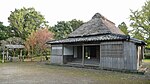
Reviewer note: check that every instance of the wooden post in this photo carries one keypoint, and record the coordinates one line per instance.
(137, 57)
(100, 55)
(3, 56)
(21, 58)
(63, 58)
(82, 54)
(7, 55)
(142, 52)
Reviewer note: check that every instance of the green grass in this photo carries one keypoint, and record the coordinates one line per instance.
(50, 72)
(147, 60)
(0, 60)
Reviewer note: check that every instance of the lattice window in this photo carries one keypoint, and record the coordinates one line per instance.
(56, 50)
(111, 50)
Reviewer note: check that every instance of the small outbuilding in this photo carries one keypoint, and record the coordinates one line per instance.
(12, 47)
(100, 43)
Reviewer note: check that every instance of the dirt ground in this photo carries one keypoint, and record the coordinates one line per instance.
(39, 73)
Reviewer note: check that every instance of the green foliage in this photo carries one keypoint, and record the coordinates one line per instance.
(5, 32)
(140, 22)
(11, 40)
(123, 27)
(147, 55)
(63, 28)
(14, 40)
(26, 20)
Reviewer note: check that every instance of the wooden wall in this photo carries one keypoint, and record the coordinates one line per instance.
(56, 54)
(130, 56)
(111, 55)
(118, 55)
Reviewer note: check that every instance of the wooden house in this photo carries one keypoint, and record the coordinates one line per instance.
(98, 42)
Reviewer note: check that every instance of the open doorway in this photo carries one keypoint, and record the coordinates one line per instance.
(92, 55)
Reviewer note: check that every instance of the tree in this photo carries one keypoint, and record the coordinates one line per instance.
(75, 23)
(63, 28)
(30, 43)
(123, 27)
(5, 32)
(36, 42)
(26, 20)
(42, 36)
(14, 40)
(140, 22)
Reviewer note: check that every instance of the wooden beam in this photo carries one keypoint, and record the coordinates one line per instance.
(82, 54)
(81, 45)
(90, 44)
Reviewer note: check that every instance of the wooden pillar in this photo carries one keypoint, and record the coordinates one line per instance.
(63, 58)
(100, 55)
(142, 52)
(82, 54)
(21, 58)
(7, 54)
(73, 52)
(3, 60)
(138, 62)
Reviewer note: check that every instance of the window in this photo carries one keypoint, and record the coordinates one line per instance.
(56, 50)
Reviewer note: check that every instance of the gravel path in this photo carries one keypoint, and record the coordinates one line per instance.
(35, 73)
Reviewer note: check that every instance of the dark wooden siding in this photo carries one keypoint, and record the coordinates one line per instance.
(118, 55)
(130, 56)
(112, 55)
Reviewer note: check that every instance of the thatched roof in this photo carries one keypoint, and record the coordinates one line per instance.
(97, 29)
(97, 25)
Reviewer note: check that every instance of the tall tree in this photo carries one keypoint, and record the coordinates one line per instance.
(63, 28)
(75, 24)
(5, 31)
(140, 22)
(26, 20)
(123, 27)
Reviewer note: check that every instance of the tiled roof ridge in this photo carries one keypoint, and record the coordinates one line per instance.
(101, 34)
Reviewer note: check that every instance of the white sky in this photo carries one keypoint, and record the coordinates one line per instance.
(65, 10)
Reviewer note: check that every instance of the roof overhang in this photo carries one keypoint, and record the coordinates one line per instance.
(105, 37)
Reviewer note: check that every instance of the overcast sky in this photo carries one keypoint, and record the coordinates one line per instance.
(65, 10)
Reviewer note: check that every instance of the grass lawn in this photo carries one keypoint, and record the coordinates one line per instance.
(0, 60)
(39, 73)
(147, 60)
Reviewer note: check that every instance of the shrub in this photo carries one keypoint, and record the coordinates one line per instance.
(147, 55)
